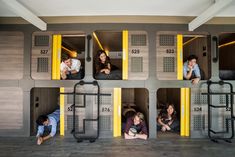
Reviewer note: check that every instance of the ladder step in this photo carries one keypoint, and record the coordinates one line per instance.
(218, 132)
(218, 106)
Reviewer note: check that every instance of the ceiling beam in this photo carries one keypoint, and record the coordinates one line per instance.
(208, 14)
(25, 13)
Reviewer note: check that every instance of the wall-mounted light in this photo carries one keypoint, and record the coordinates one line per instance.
(97, 40)
(227, 44)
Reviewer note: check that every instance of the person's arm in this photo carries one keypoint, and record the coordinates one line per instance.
(188, 73)
(163, 125)
(135, 136)
(141, 136)
(63, 71)
(197, 73)
(129, 137)
(195, 80)
(107, 68)
(39, 134)
(102, 70)
(53, 130)
(64, 74)
(73, 71)
(53, 127)
(159, 120)
(144, 131)
(170, 122)
(42, 139)
(40, 131)
(76, 66)
(46, 138)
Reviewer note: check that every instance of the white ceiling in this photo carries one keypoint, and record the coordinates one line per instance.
(117, 7)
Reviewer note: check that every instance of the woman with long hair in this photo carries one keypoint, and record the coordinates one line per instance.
(167, 119)
(104, 69)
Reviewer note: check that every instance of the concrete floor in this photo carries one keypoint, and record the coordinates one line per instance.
(117, 147)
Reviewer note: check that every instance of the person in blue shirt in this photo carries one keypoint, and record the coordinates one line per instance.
(49, 122)
(192, 70)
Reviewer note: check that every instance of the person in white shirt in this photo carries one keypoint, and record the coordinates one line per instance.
(70, 68)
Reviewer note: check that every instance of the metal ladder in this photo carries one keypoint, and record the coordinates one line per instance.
(77, 134)
(228, 107)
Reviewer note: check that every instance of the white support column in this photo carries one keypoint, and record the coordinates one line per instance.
(208, 14)
(25, 13)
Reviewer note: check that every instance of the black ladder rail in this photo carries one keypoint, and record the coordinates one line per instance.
(73, 106)
(231, 94)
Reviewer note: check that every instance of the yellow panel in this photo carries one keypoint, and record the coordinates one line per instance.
(56, 57)
(125, 55)
(180, 57)
(62, 112)
(182, 111)
(117, 112)
(187, 112)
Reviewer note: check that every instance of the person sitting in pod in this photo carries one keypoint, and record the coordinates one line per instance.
(136, 127)
(70, 68)
(167, 119)
(104, 69)
(191, 69)
(47, 123)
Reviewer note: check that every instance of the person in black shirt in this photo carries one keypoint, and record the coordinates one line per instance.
(104, 69)
(167, 120)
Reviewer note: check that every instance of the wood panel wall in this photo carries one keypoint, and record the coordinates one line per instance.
(11, 108)
(11, 55)
(142, 102)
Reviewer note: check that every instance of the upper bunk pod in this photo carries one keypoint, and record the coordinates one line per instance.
(58, 55)
(183, 55)
(226, 49)
(120, 55)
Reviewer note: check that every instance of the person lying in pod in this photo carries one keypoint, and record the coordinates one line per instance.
(167, 119)
(127, 112)
(70, 68)
(47, 123)
(136, 127)
(191, 70)
(104, 69)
